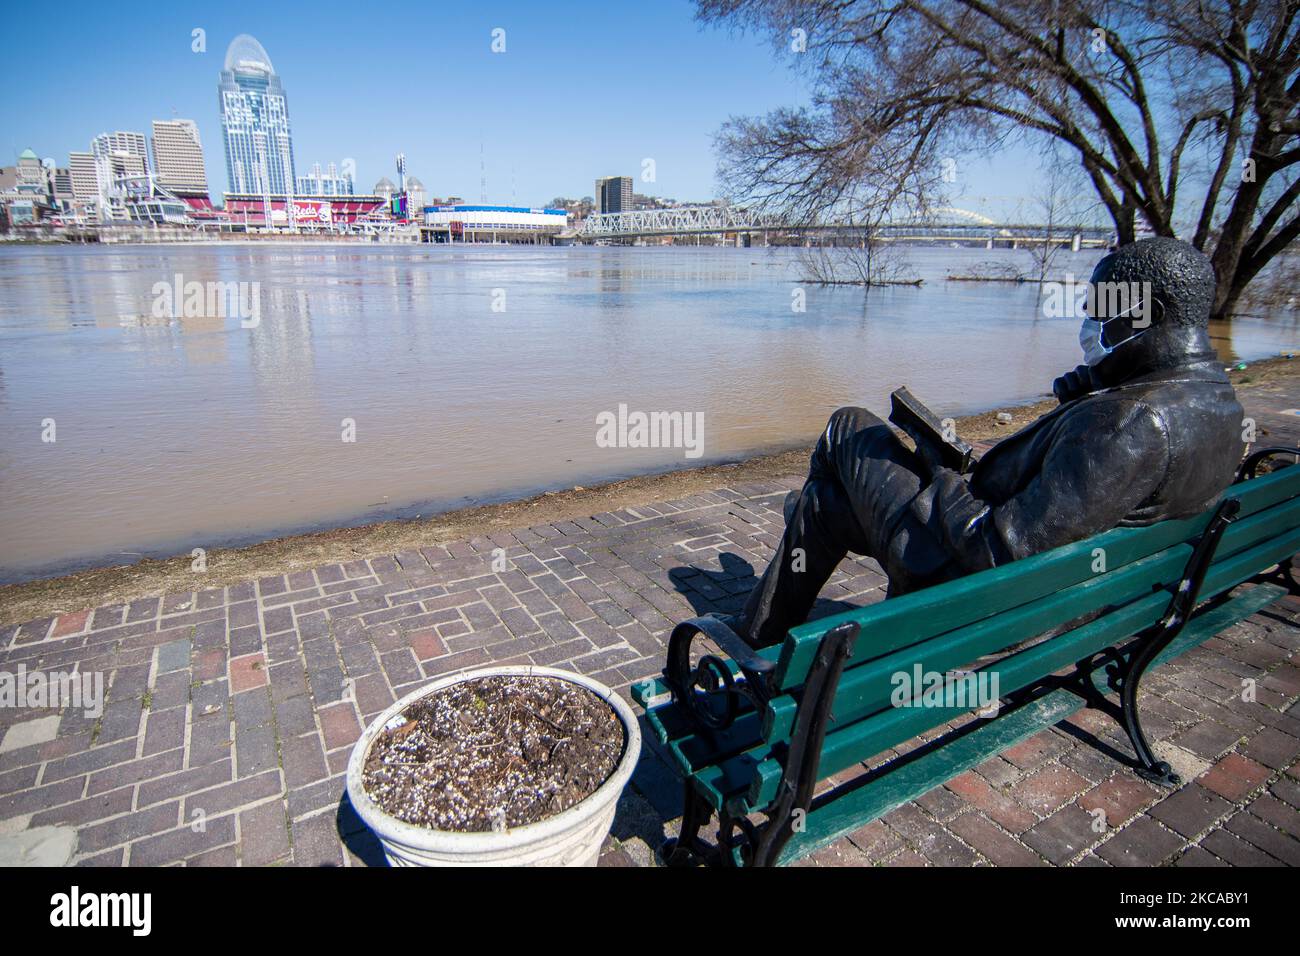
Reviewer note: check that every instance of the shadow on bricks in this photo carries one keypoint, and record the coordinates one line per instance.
(724, 591)
(358, 838)
(1121, 757)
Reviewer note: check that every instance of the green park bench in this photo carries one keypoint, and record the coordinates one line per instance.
(752, 733)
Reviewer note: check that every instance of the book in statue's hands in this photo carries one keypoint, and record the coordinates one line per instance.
(909, 414)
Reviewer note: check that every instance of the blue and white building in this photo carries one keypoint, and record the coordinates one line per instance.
(255, 122)
(492, 224)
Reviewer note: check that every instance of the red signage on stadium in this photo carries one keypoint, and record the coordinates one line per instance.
(310, 210)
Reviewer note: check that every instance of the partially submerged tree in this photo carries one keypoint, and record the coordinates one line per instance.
(861, 258)
(1182, 113)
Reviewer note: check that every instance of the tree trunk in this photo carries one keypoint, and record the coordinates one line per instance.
(1233, 272)
(1226, 258)
(1126, 225)
(1230, 288)
(1226, 298)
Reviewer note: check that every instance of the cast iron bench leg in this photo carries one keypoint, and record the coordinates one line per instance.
(762, 847)
(1148, 648)
(1285, 575)
(687, 849)
(1285, 572)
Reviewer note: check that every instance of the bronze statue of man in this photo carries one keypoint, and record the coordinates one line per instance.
(1148, 429)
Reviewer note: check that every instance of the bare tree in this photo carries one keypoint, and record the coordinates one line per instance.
(1061, 206)
(860, 256)
(1180, 112)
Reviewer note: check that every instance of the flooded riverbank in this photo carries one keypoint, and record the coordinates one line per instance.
(390, 382)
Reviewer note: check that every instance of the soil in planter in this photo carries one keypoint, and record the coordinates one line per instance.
(494, 752)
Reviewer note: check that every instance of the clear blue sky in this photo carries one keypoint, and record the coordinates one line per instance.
(584, 89)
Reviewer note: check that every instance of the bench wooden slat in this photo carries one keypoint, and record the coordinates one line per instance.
(693, 751)
(650, 693)
(725, 781)
(915, 774)
(914, 617)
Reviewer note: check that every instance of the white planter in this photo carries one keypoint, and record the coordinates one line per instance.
(571, 838)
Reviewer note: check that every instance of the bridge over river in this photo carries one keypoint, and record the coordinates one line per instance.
(946, 225)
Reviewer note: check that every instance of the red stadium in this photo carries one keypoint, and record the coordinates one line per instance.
(309, 212)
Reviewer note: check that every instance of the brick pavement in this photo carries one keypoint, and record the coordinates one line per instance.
(231, 711)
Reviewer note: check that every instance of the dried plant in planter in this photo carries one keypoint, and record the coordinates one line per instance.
(494, 752)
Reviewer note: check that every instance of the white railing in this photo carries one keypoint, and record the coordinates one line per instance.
(687, 220)
(683, 219)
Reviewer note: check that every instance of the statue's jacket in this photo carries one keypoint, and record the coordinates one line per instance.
(1160, 444)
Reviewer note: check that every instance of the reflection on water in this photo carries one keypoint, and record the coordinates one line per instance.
(192, 432)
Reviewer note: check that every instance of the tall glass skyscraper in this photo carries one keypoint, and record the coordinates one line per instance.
(255, 122)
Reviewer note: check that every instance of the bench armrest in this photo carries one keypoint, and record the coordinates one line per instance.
(709, 693)
(1250, 467)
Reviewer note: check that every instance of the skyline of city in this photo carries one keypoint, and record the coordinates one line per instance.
(127, 178)
(258, 150)
(521, 142)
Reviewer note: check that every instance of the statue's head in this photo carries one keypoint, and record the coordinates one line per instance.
(1150, 299)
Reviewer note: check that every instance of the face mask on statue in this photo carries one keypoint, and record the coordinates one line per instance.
(1094, 350)
(1092, 339)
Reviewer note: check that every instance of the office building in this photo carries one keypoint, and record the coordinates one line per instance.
(614, 194)
(25, 191)
(330, 182)
(85, 186)
(178, 157)
(122, 143)
(255, 122)
(121, 168)
(61, 189)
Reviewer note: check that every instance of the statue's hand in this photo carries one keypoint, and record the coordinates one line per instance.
(930, 456)
(1073, 384)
